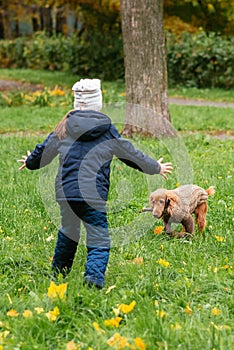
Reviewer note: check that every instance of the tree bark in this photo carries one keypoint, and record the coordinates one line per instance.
(145, 67)
(46, 19)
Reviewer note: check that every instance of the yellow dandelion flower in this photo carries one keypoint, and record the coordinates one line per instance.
(39, 310)
(158, 230)
(163, 262)
(118, 342)
(216, 312)
(127, 308)
(55, 291)
(156, 304)
(12, 313)
(27, 314)
(188, 310)
(113, 322)
(53, 314)
(98, 328)
(220, 238)
(123, 94)
(140, 345)
(161, 313)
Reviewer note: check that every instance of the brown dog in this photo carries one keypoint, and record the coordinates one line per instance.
(178, 205)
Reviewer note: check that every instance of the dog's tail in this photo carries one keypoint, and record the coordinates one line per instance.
(210, 191)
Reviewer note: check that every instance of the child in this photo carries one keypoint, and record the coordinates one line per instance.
(86, 141)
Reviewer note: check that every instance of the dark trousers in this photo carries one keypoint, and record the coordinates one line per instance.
(97, 240)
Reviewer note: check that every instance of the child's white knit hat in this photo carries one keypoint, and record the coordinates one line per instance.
(88, 94)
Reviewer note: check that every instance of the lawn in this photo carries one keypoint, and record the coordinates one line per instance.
(160, 293)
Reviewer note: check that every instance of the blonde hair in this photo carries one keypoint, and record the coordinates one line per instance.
(60, 129)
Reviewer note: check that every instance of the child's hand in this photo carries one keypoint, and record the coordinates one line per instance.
(166, 168)
(23, 160)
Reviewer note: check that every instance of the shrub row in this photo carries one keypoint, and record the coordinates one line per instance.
(101, 56)
(198, 60)
(201, 60)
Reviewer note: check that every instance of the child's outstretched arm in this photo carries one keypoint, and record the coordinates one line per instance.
(42, 155)
(134, 158)
(166, 168)
(23, 160)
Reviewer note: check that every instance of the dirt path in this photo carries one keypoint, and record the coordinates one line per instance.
(192, 102)
(10, 85)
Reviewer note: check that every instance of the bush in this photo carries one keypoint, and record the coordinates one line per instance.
(194, 60)
(200, 60)
(98, 56)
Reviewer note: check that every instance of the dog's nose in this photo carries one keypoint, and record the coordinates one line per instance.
(155, 215)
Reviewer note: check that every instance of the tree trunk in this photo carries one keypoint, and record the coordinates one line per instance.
(145, 67)
(46, 19)
(1, 26)
(6, 21)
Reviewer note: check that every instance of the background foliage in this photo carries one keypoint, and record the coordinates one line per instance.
(199, 59)
(85, 38)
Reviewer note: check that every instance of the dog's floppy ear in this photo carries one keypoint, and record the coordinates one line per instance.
(172, 201)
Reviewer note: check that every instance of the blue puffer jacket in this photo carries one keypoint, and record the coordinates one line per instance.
(85, 156)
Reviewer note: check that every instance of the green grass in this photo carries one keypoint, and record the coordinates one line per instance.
(198, 280)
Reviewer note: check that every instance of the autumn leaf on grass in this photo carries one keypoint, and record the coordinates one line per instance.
(12, 313)
(55, 291)
(127, 308)
(27, 314)
(220, 238)
(71, 345)
(221, 327)
(118, 342)
(216, 312)
(110, 289)
(140, 345)
(176, 327)
(137, 260)
(39, 310)
(98, 328)
(158, 230)
(161, 313)
(188, 310)
(3, 335)
(113, 322)
(53, 314)
(163, 263)
(56, 92)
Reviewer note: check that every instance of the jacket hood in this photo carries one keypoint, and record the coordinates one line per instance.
(87, 125)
